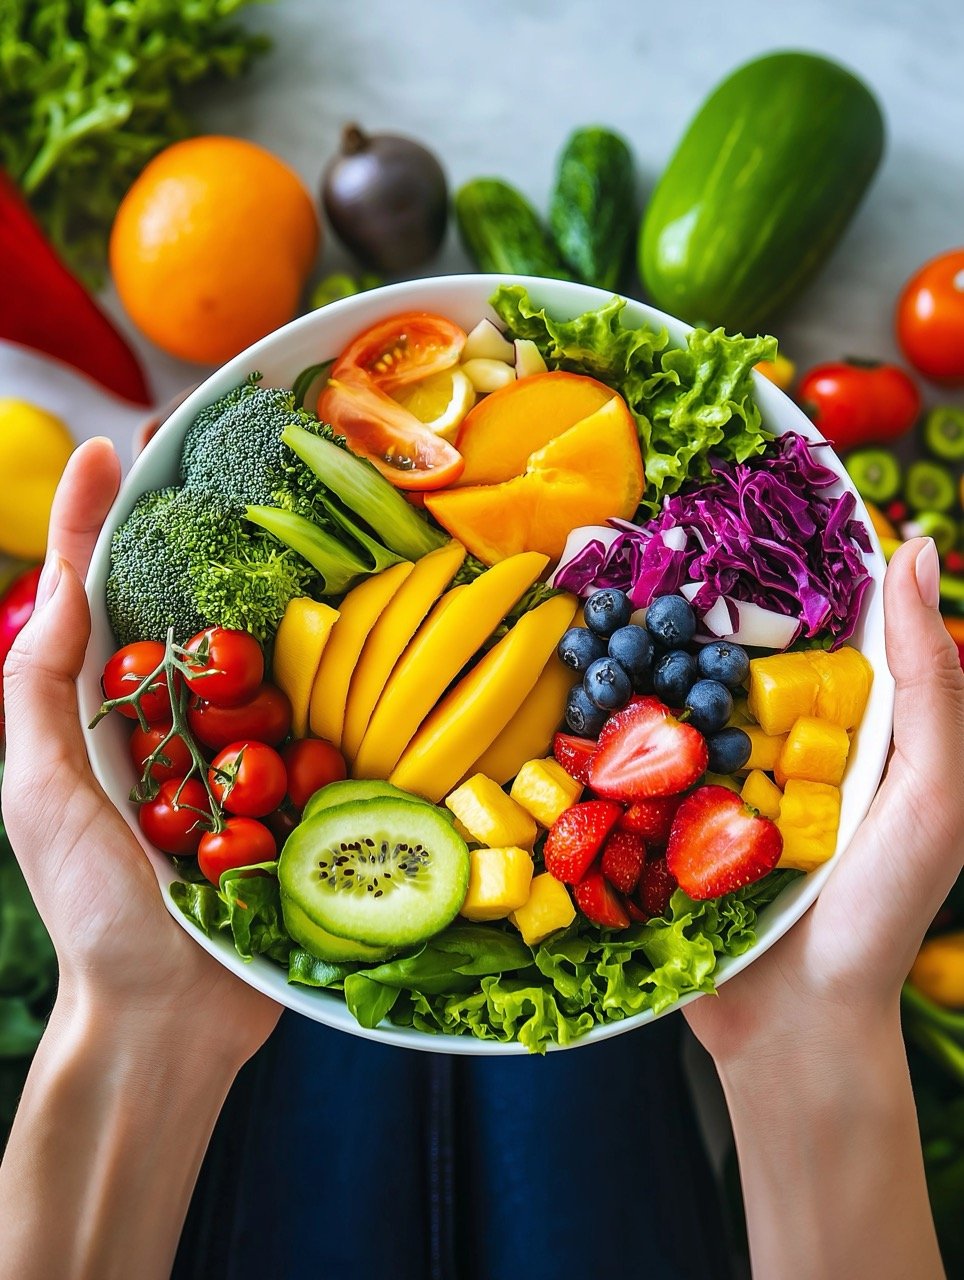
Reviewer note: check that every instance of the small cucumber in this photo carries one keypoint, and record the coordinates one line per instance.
(592, 213)
(502, 233)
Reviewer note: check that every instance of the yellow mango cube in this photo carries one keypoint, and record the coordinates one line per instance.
(815, 750)
(545, 790)
(762, 794)
(832, 686)
(499, 881)
(845, 678)
(490, 816)
(808, 821)
(739, 716)
(547, 908)
(765, 748)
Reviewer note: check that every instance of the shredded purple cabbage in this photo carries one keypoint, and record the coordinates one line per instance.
(760, 531)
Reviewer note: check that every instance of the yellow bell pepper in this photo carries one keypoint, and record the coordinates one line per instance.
(34, 448)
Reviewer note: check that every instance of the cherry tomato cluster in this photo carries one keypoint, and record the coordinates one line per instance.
(234, 723)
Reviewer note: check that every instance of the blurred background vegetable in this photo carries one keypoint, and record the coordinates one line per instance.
(34, 448)
(930, 319)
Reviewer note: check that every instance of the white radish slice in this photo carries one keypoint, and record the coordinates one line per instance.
(579, 539)
(756, 627)
(674, 539)
(488, 375)
(487, 342)
(690, 589)
(528, 358)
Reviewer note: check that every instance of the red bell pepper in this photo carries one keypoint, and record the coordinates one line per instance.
(16, 606)
(44, 306)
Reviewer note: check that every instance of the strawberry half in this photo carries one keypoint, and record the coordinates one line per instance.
(719, 844)
(651, 818)
(623, 856)
(576, 837)
(645, 751)
(574, 754)
(656, 886)
(598, 901)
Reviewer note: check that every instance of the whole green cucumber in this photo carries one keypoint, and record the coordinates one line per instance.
(502, 232)
(763, 184)
(592, 213)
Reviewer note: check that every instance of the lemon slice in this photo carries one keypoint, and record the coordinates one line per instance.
(440, 401)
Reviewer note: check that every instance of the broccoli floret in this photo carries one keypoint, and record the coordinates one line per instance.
(185, 561)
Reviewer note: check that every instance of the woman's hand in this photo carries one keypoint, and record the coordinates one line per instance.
(120, 953)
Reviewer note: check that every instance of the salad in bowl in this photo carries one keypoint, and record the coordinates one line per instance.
(488, 665)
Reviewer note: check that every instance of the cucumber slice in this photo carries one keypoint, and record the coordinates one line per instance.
(875, 473)
(387, 871)
(944, 432)
(323, 945)
(359, 789)
(930, 487)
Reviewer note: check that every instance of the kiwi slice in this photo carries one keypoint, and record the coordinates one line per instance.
(944, 432)
(359, 789)
(933, 524)
(875, 473)
(930, 487)
(323, 945)
(388, 871)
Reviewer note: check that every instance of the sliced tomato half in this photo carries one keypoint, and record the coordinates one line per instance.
(402, 349)
(380, 429)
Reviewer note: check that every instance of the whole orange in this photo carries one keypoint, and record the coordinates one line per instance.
(211, 247)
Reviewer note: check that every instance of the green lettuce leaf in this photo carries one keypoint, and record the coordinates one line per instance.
(687, 402)
(247, 907)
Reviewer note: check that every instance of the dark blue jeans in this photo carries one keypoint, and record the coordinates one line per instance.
(337, 1159)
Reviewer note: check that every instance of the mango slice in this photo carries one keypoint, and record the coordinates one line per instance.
(499, 882)
(815, 750)
(482, 703)
(764, 748)
(832, 686)
(547, 908)
(497, 436)
(359, 612)
(529, 733)
(437, 653)
(390, 635)
(298, 647)
(584, 476)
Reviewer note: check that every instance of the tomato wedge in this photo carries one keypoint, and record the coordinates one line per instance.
(382, 430)
(402, 349)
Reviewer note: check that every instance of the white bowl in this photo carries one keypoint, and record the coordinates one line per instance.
(322, 334)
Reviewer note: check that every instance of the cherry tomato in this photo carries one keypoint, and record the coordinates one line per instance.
(282, 822)
(256, 781)
(930, 319)
(858, 404)
(233, 670)
(124, 672)
(403, 349)
(241, 842)
(145, 742)
(266, 718)
(311, 763)
(175, 828)
(358, 403)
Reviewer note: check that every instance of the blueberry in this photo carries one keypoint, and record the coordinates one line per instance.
(710, 705)
(582, 714)
(633, 650)
(671, 621)
(579, 648)
(608, 610)
(721, 660)
(673, 676)
(729, 750)
(608, 684)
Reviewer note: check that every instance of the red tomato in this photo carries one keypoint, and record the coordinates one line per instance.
(233, 670)
(357, 399)
(311, 763)
(241, 842)
(145, 742)
(175, 827)
(858, 404)
(248, 778)
(930, 319)
(124, 672)
(266, 718)
(282, 822)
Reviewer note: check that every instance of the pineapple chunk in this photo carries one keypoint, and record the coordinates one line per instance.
(808, 821)
(547, 909)
(545, 790)
(762, 794)
(499, 881)
(490, 816)
(815, 750)
(765, 748)
(845, 679)
(833, 686)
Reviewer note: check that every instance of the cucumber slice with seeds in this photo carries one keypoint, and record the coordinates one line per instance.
(323, 945)
(388, 872)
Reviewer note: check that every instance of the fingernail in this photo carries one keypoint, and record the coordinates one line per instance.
(49, 577)
(927, 567)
